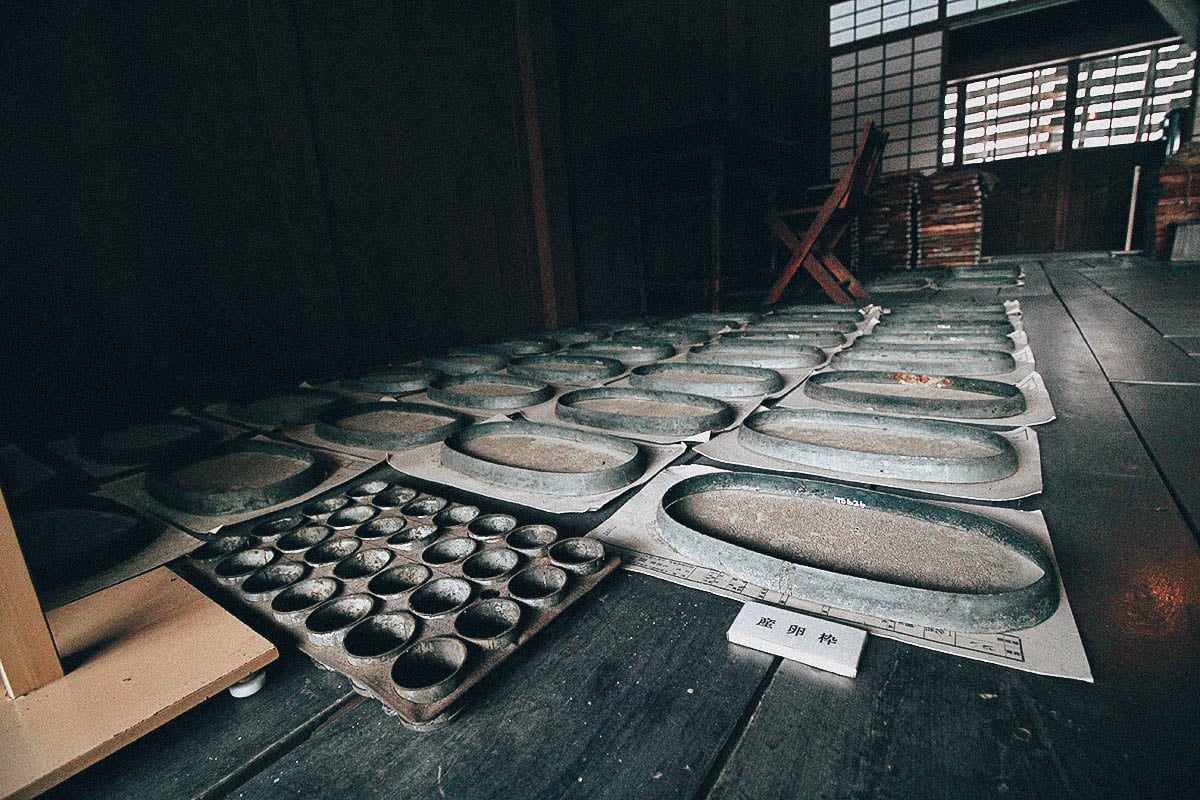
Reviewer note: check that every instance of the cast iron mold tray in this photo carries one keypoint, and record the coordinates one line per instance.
(490, 392)
(388, 425)
(967, 361)
(712, 380)
(566, 369)
(750, 337)
(758, 354)
(917, 394)
(644, 411)
(139, 444)
(630, 354)
(291, 407)
(465, 362)
(394, 380)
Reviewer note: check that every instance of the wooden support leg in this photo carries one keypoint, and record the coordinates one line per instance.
(28, 659)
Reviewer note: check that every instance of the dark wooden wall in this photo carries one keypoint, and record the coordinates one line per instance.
(214, 197)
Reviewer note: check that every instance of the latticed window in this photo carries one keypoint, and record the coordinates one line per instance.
(1013, 115)
(853, 20)
(1124, 98)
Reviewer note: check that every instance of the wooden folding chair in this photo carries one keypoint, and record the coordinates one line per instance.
(814, 250)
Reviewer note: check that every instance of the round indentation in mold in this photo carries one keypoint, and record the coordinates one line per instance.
(363, 564)
(278, 526)
(425, 506)
(760, 355)
(784, 339)
(466, 362)
(579, 555)
(367, 489)
(916, 394)
(644, 411)
(547, 459)
(142, 443)
(491, 624)
(233, 477)
(450, 550)
(303, 538)
(243, 562)
(491, 526)
(326, 505)
(328, 622)
(393, 497)
(332, 550)
(307, 594)
(399, 579)
(291, 407)
(414, 535)
(380, 527)
(712, 380)
(378, 637)
(678, 337)
(387, 425)
(350, 516)
(965, 361)
(491, 392)
(539, 586)
(627, 354)
(873, 446)
(491, 566)
(531, 540)
(455, 516)
(567, 369)
(223, 546)
(273, 578)
(862, 551)
(395, 380)
(440, 596)
(430, 670)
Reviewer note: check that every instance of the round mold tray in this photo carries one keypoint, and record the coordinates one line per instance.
(292, 407)
(729, 318)
(377, 638)
(142, 443)
(273, 528)
(240, 564)
(491, 567)
(466, 362)
(367, 489)
(862, 551)
(993, 313)
(327, 505)
(540, 586)
(272, 579)
(916, 394)
(798, 325)
(814, 313)
(396, 380)
(826, 340)
(455, 516)
(709, 329)
(531, 540)
(386, 425)
(299, 598)
(490, 527)
(301, 539)
(679, 337)
(491, 624)
(65, 545)
(412, 537)
(988, 341)
(978, 327)
(363, 564)
(644, 411)
(425, 506)
(395, 581)
(897, 284)
(582, 333)
(430, 670)
(351, 516)
(224, 546)
(566, 369)
(394, 497)
(332, 550)
(235, 477)
(450, 550)
(381, 527)
(877, 446)
(547, 459)
(439, 597)
(628, 354)
(711, 380)
(954, 361)
(328, 622)
(764, 356)
(491, 392)
(579, 555)
(518, 348)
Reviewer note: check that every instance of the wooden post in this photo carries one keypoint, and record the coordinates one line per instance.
(28, 658)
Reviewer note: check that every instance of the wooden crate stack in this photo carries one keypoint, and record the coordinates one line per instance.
(1178, 196)
(949, 219)
(885, 224)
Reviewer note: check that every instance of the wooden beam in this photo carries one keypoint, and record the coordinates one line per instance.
(28, 658)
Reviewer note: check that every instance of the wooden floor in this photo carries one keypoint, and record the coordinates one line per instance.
(635, 692)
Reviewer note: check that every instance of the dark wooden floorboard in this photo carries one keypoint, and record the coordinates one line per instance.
(208, 749)
(1155, 291)
(631, 693)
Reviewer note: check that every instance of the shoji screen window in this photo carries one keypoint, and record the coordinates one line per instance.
(956, 8)
(1124, 98)
(861, 19)
(1014, 115)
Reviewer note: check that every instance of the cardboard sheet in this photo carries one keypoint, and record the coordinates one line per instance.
(1052, 647)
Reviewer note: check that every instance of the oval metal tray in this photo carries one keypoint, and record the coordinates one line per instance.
(712, 380)
(1002, 326)
(292, 407)
(765, 357)
(943, 313)
(825, 339)
(394, 380)
(645, 411)
(874, 446)
(802, 311)
(139, 444)
(566, 368)
(629, 354)
(967, 361)
(801, 324)
(465, 362)
(390, 425)
(678, 337)
(491, 392)
(581, 333)
(515, 348)
(986, 341)
(917, 394)
(862, 551)
(65, 545)
(234, 477)
(544, 458)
